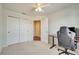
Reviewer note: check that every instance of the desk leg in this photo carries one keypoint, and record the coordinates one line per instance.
(52, 43)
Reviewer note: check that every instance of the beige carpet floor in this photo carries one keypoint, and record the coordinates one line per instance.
(30, 48)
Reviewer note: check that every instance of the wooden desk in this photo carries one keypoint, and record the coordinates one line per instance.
(53, 43)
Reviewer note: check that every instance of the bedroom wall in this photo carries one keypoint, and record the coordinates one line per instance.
(1, 26)
(68, 16)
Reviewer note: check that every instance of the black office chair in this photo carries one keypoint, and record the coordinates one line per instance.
(65, 41)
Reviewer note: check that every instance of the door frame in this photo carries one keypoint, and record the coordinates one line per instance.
(44, 28)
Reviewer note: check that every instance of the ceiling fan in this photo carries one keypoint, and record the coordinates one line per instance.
(38, 7)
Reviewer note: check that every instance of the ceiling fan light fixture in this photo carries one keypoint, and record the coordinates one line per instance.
(38, 9)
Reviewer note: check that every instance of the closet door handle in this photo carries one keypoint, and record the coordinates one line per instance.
(8, 32)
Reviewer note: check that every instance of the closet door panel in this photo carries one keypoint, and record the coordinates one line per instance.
(12, 30)
(23, 30)
(26, 32)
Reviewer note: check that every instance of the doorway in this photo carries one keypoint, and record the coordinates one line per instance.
(37, 30)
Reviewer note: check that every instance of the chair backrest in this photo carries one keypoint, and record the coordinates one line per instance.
(77, 32)
(63, 39)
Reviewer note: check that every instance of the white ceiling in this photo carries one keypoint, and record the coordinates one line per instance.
(27, 8)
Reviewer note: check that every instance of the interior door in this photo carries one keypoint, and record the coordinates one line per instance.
(37, 30)
(12, 30)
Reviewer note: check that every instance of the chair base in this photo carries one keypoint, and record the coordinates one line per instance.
(52, 46)
(66, 52)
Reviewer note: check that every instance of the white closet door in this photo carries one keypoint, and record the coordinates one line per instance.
(23, 30)
(12, 30)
